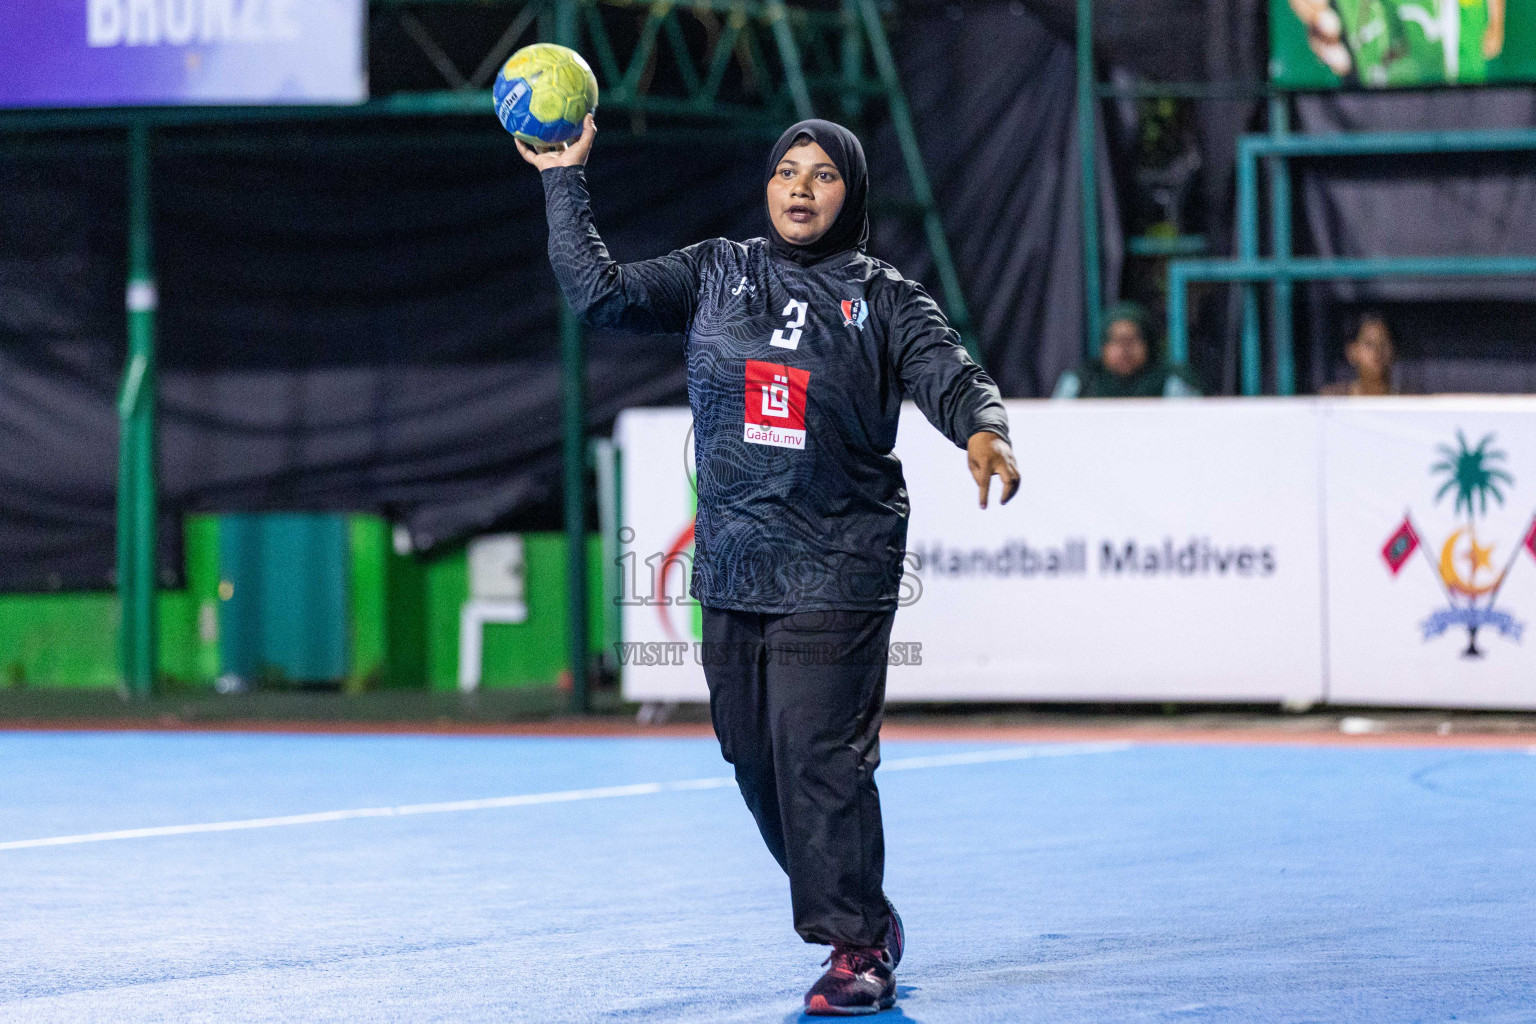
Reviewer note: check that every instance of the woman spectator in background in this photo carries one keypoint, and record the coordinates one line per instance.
(1128, 366)
(1370, 355)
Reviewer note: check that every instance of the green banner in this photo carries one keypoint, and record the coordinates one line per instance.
(1387, 44)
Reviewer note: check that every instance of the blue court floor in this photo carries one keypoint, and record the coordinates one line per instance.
(622, 880)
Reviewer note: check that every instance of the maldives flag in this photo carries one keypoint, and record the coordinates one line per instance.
(1400, 546)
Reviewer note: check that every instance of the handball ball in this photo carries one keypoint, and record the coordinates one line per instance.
(543, 93)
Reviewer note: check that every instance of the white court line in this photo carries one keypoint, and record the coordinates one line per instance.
(1005, 754)
(557, 797)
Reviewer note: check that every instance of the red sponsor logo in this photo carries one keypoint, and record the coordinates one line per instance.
(775, 411)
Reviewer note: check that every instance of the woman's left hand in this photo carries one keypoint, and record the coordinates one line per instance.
(989, 455)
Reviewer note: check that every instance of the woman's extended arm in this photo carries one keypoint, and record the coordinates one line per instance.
(954, 393)
(653, 296)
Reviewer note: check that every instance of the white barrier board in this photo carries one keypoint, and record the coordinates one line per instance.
(1461, 474)
(1157, 550)
(1187, 534)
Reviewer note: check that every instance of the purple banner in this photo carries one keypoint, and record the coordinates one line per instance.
(102, 53)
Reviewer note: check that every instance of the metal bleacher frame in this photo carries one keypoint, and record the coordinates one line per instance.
(1280, 270)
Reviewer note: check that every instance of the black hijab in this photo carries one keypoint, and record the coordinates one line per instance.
(851, 228)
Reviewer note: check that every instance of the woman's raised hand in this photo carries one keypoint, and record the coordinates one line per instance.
(568, 154)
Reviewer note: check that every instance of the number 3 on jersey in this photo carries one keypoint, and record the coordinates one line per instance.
(796, 312)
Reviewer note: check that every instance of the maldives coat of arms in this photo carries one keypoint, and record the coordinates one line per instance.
(1465, 563)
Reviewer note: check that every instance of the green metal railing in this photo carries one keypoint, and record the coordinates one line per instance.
(1250, 270)
(1089, 92)
(573, 443)
(820, 53)
(137, 506)
(1166, 246)
(1313, 268)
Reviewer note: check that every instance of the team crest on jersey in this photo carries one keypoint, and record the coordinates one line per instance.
(855, 312)
(775, 411)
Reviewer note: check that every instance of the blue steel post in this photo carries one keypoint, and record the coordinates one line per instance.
(1086, 142)
(1281, 333)
(1247, 251)
(573, 417)
(1178, 314)
(137, 512)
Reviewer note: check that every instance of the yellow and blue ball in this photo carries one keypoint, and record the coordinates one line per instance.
(543, 93)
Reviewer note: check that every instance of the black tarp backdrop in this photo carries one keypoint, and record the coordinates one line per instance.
(357, 322)
(1000, 143)
(360, 317)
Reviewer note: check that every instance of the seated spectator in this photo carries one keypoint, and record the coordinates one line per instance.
(1370, 355)
(1128, 366)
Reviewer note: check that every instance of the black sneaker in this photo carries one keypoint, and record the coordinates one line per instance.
(859, 981)
(895, 935)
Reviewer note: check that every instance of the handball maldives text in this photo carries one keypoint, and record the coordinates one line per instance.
(1194, 556)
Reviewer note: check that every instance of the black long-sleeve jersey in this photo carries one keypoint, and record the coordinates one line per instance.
(796, 377)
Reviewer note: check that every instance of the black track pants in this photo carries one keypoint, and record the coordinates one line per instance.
(796, 701)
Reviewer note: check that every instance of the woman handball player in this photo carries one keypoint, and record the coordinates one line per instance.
(800, 351)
